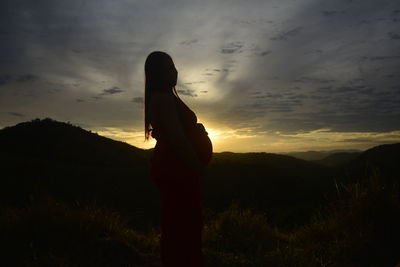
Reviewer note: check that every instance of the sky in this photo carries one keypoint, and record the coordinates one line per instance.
(271, 76)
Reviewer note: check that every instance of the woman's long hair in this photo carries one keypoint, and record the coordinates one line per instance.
(155, 80)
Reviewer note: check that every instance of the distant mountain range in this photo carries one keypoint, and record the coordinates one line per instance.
(320, 155)
(75, 165)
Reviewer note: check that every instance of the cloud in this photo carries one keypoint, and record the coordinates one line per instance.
(76, 51)
(382, 57)
(264, 53)
(138, 100)
(394, 36)
(285, 35)
(194, 82)
(208, 74)
(26, 78)
(231, 48)
(306, 79)
(189, 42)
(396, 12)
(111, 91)
(5, 78)
(356, 140)
(187, 92)
(314, 51)
(331, 13)
(16, 114)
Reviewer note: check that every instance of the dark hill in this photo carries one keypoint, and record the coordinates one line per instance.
(384, 156)
(282, 186)
(310, 155)
(47, 157)
(383, 159)
(318, 155)
(338, 159)
(52, 140)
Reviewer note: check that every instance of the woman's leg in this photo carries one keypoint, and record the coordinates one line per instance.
(181, 221)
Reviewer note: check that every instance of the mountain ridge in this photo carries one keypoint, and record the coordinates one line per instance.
(32, 136)
(73, 164)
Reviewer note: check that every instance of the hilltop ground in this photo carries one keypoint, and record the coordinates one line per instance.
(70, 197)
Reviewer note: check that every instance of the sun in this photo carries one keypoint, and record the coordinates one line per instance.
(218, 137)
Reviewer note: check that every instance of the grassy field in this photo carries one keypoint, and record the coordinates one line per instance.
(359, 228)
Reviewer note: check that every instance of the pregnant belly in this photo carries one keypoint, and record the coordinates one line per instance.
(202, 144)
(198, 137)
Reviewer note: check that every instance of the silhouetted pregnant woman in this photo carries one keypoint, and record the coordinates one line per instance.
(182, 151)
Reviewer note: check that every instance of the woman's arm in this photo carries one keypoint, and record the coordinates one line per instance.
(167, 121)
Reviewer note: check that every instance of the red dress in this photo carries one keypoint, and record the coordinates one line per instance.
(181, 203)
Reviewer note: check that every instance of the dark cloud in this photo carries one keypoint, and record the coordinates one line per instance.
(208, 74)
(314, 51)
(357, 80)
(138, 100)
(285, 35)
(396, 12)
(377, 58)
(231, 48)
(76, 51)
(188, 92)
(356, 108)
(264, 53)
(5, 78)
(356, 140)
(112, 91)
(260, 108)
(344, 89)
(306, 79)
(194, 82)
(16, 114)
(335, 121)
(189, 42)
(269, 95)
(257, 51)
(394, 35)
(255, 93)
(331, 13)
(26, 78)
